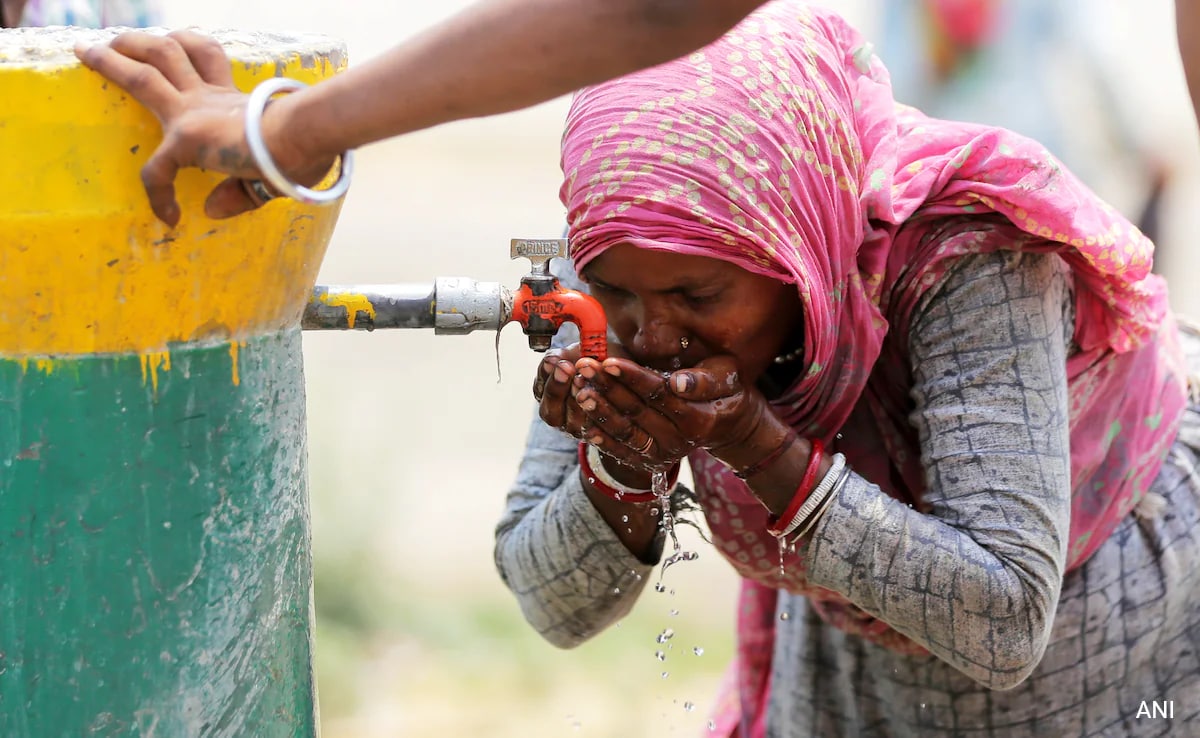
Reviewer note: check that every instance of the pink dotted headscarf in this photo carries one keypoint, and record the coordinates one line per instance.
(779, 148)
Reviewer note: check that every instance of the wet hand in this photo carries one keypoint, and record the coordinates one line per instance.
(185, 79)
(557, 406)
(647, 420)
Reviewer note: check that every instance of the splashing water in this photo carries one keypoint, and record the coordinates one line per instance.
(665, 636)
(659, 485)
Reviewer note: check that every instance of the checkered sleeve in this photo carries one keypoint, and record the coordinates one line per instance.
(975, 577)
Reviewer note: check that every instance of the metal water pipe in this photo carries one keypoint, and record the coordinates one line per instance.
(461, 305)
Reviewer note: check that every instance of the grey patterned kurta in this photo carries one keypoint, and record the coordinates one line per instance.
(1018, 648)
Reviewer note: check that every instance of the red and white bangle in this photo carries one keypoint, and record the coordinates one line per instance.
(818, 496)
(592, 467)
(777, 525)
(811, 523)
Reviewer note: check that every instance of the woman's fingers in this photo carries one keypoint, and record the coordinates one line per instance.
(207, 56)
(158, 177)
(710, 380)
(643, 435)
(162, 53)
(145, 83)
(545, 369)
(556, 393)
(232, 197)
(624, 416)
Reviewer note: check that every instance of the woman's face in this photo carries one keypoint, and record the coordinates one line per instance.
(653, 299)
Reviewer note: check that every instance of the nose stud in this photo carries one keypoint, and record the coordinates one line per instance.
(683, 343)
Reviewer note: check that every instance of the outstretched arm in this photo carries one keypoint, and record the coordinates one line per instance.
(502, 55)
(493, 57)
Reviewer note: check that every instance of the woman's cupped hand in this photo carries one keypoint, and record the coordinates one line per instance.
(641, 417)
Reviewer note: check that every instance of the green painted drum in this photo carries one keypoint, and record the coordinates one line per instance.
(155, 544)
(154, 533)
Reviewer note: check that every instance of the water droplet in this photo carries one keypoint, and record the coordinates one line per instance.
(922, 705)
(660, 656)
(665, 674)
(689, 706)
(698, 651)
(673, 612)
(624, 518)
(591, 480)
(616, 590)
(712, 725)
(784, 616)
(658, 587)
(654, 511)
(665, 636)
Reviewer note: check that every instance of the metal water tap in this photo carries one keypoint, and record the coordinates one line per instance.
(459, 305)
(542, 304)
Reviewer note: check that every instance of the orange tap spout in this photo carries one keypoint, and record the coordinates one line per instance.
(545, 314)
(585, 311)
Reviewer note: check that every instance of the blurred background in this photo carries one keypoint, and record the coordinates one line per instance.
(414, 439)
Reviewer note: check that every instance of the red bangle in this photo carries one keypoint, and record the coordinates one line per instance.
(776, 525)
(617, 494)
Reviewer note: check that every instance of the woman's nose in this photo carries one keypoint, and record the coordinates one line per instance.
(656, 340)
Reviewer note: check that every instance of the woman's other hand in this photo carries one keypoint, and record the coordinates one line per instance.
(185, 79)
(645, 419)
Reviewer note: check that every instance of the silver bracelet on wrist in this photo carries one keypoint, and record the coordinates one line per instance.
(259, 97)
(596, 462)
(817, 496)
(813, 519)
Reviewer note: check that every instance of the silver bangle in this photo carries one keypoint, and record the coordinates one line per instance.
(596, 462)
(259, 97)
(811, 523)
(817, 496)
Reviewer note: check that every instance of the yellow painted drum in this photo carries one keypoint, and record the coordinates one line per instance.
(86, 267)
